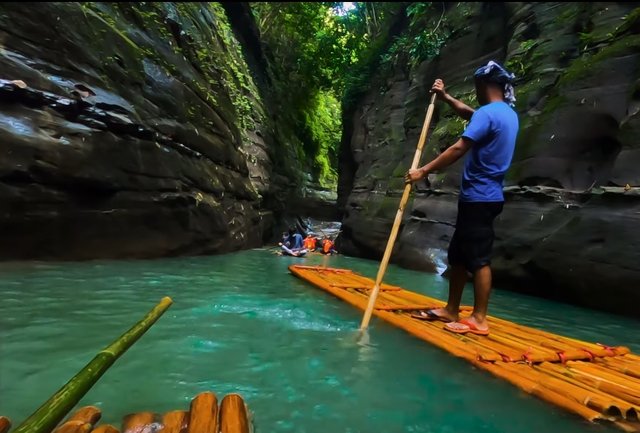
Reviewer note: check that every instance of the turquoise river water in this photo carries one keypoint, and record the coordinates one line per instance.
(241, 323)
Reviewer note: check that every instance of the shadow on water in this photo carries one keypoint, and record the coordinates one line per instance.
(241, 323)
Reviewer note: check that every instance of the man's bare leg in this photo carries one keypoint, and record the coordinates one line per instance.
(456, 286)
(481, 290)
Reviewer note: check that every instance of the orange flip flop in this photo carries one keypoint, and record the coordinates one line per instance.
(464, 326)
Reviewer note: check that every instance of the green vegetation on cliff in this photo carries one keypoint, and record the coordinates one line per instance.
(307, 48)
(393, 35)
(324, 57)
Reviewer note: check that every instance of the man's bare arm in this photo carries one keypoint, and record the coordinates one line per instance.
(462, 109)
(444, 160)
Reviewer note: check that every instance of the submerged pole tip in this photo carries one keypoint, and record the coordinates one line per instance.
(362, 338)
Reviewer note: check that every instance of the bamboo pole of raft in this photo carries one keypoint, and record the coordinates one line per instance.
(596, 395)
(5, 424)
(621, 367)
(175, 421)
(82, 421)
(136, 422)
(74, 427)
(105, 428)
(614, 388)
(233, 415)
(89, 414)
(203, 414)
(47, 416)
(396, 223)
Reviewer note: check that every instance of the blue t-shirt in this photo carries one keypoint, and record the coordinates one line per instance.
(493, 129)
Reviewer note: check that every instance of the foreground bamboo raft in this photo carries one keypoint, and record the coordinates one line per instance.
(203, 416)
(594, 381)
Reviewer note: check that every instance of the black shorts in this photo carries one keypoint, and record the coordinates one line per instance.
(472, 241)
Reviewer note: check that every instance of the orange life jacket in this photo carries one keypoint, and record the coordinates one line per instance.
(310, 243)
(327, 246)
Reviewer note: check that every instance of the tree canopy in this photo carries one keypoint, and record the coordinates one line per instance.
(324, 57)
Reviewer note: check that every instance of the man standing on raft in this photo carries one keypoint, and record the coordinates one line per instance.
(491, 137)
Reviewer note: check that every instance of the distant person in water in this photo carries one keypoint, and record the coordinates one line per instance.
(328, 246)
(310, 242)
(292, 245)
(489, 139)
(296, 239)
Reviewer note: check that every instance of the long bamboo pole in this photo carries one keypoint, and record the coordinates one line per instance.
(47, 416)
(398, 220)
(175, 421)
(234, 416)
(204, 416)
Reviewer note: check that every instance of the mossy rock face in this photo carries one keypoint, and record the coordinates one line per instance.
(581, 69)
(578, 93)
(153, 138)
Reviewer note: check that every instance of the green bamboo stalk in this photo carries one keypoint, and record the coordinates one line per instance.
(49, 415)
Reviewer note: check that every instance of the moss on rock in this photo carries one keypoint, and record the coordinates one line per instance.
(585, 65)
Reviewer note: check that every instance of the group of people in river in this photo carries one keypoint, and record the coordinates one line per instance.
(293, 244)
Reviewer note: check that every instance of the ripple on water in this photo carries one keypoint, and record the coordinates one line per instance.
(293, 316)
(208, 346)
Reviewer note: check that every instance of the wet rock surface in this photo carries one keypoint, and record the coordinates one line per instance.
(134, 130)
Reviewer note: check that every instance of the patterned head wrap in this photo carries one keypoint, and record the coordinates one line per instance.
(494, 73)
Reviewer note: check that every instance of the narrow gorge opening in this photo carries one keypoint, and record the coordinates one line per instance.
(322, 59)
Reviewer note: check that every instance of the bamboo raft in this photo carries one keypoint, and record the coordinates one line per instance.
(595, 381)
(203, 416)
